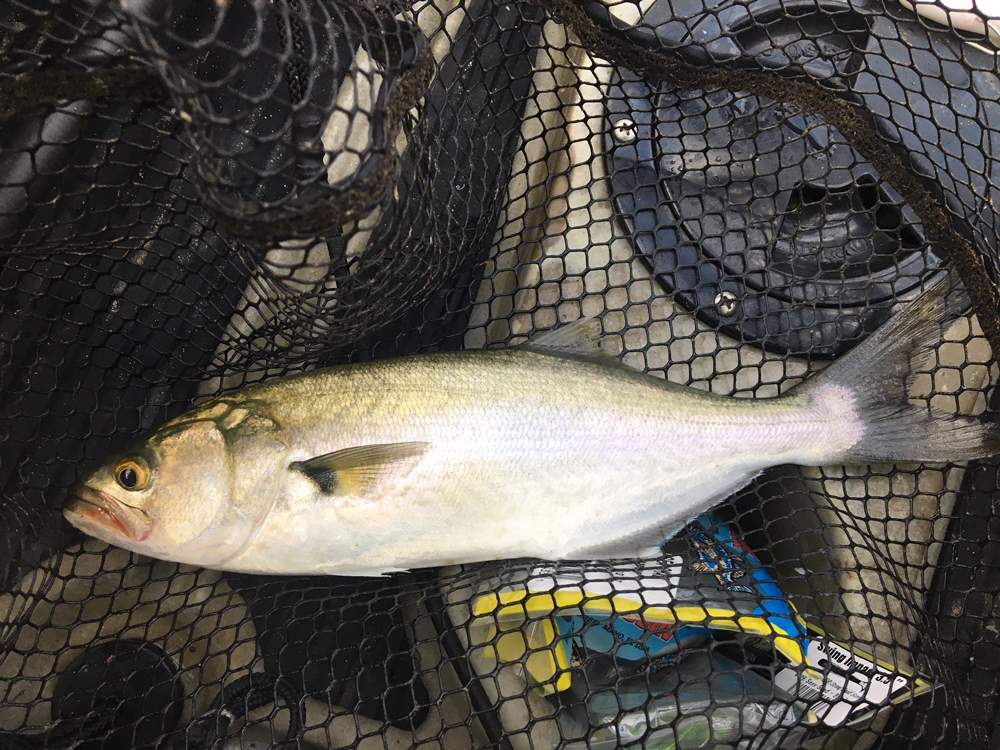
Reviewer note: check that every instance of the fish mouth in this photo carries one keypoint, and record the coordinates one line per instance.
(87, 508)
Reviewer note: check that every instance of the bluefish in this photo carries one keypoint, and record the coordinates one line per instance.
(551, 449)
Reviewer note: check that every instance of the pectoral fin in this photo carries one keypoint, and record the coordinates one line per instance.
(357, 470)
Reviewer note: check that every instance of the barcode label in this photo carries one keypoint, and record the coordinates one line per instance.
(799, 686)
(849, 684)
(807, 690)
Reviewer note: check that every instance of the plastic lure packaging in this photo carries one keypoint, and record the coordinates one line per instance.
(549, 618)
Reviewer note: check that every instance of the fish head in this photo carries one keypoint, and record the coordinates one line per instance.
(186, 493)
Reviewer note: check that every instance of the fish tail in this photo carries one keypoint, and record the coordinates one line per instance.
(877, 375)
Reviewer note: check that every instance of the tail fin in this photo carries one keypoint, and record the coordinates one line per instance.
(879, 372)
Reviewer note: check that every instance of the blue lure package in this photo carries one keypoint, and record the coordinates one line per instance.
(706, 580)
(705, 562)
(638, 616)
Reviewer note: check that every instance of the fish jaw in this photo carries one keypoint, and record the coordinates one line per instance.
(101, 516)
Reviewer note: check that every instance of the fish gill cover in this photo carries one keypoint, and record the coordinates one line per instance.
(198, 195)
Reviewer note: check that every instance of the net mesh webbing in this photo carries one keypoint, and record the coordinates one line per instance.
(199, 195)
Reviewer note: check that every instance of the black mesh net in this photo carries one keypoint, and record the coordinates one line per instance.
(198, 195)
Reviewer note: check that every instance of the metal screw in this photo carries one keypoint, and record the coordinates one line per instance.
(726, 303)
(625, 130)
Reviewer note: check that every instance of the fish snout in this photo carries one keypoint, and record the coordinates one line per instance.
(93, 511)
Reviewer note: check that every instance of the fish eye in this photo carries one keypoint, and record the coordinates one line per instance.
(133, 474)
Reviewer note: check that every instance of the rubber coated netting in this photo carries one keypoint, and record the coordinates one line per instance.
(197, 194)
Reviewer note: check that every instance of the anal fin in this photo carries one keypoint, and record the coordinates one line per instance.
(645, 538)
(643, 543)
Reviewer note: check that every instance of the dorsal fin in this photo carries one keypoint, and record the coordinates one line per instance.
(577, 340)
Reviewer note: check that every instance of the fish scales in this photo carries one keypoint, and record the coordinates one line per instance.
(517, 440)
